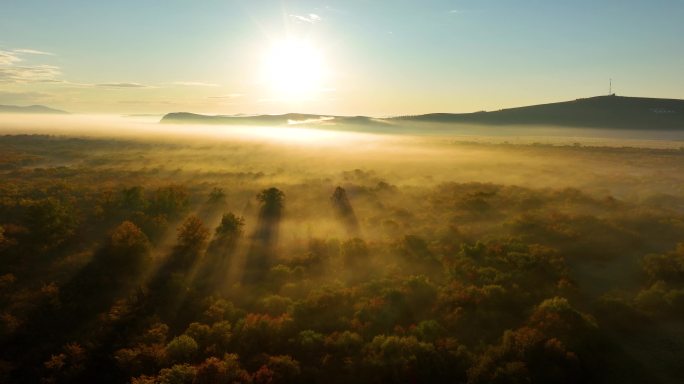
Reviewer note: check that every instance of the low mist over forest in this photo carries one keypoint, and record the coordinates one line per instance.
(142, 253)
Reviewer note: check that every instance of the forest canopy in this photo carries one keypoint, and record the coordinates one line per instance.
(154, 262)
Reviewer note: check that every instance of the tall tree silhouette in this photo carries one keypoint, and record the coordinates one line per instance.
(191, 240)
(172, 281)
(272, 201)
(217, 261)
(227, 234)
(344, 211)
(112, 274)
(266, 235)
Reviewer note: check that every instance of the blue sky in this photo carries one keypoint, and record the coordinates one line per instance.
(380, 57)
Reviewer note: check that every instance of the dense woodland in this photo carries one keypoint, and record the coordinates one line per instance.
(138, 262)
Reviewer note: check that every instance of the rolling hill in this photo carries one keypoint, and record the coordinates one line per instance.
(285, 119)
(33, 109)
(595, 112)
(613, 112)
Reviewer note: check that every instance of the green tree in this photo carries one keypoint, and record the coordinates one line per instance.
(668, 267)
(192, 234)
(345, 211)
(67, 365)
(229, 230)
(51, 222)
(171, 201)
(272, 201)
(260, 255)
(217, 196)
(128, 249)
(127, 238)
(227, 370)
(400, 360)
(133, 199)
(177, 374)
(278, 369)
(181, 349)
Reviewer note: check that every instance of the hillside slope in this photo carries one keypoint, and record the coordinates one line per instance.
(30, 109)
(595, 112)
(613, 112)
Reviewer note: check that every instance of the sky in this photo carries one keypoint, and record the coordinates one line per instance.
(351, 57)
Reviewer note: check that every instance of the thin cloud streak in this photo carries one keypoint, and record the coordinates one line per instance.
(11, 72)
(122, 85)
(33, 52)
(311, 18)
(28, 74)
(8, 58)
(194, 84)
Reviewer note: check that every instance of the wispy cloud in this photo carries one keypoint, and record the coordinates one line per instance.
(194, 84)
(28, 74)
(33, 52)
(122, 85)
(454, 11)
(8, 58)
(12, 72)
(311, 18)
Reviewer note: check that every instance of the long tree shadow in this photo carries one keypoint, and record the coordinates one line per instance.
(262, 250)
(212, 270)
(218, 259)
(175, 293)
(345, 212)
(114, 271)
(160, 298)
(169, 286)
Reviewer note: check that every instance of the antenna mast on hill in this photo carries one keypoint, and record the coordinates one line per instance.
(610, 87)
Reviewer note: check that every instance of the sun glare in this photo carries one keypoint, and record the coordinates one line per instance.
(293, 69)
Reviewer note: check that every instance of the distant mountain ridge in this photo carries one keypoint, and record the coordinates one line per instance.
(594, 112)
(284, 119)
(614, 112)
(31, 109)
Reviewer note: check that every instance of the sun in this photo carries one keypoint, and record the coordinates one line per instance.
(293, 69)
